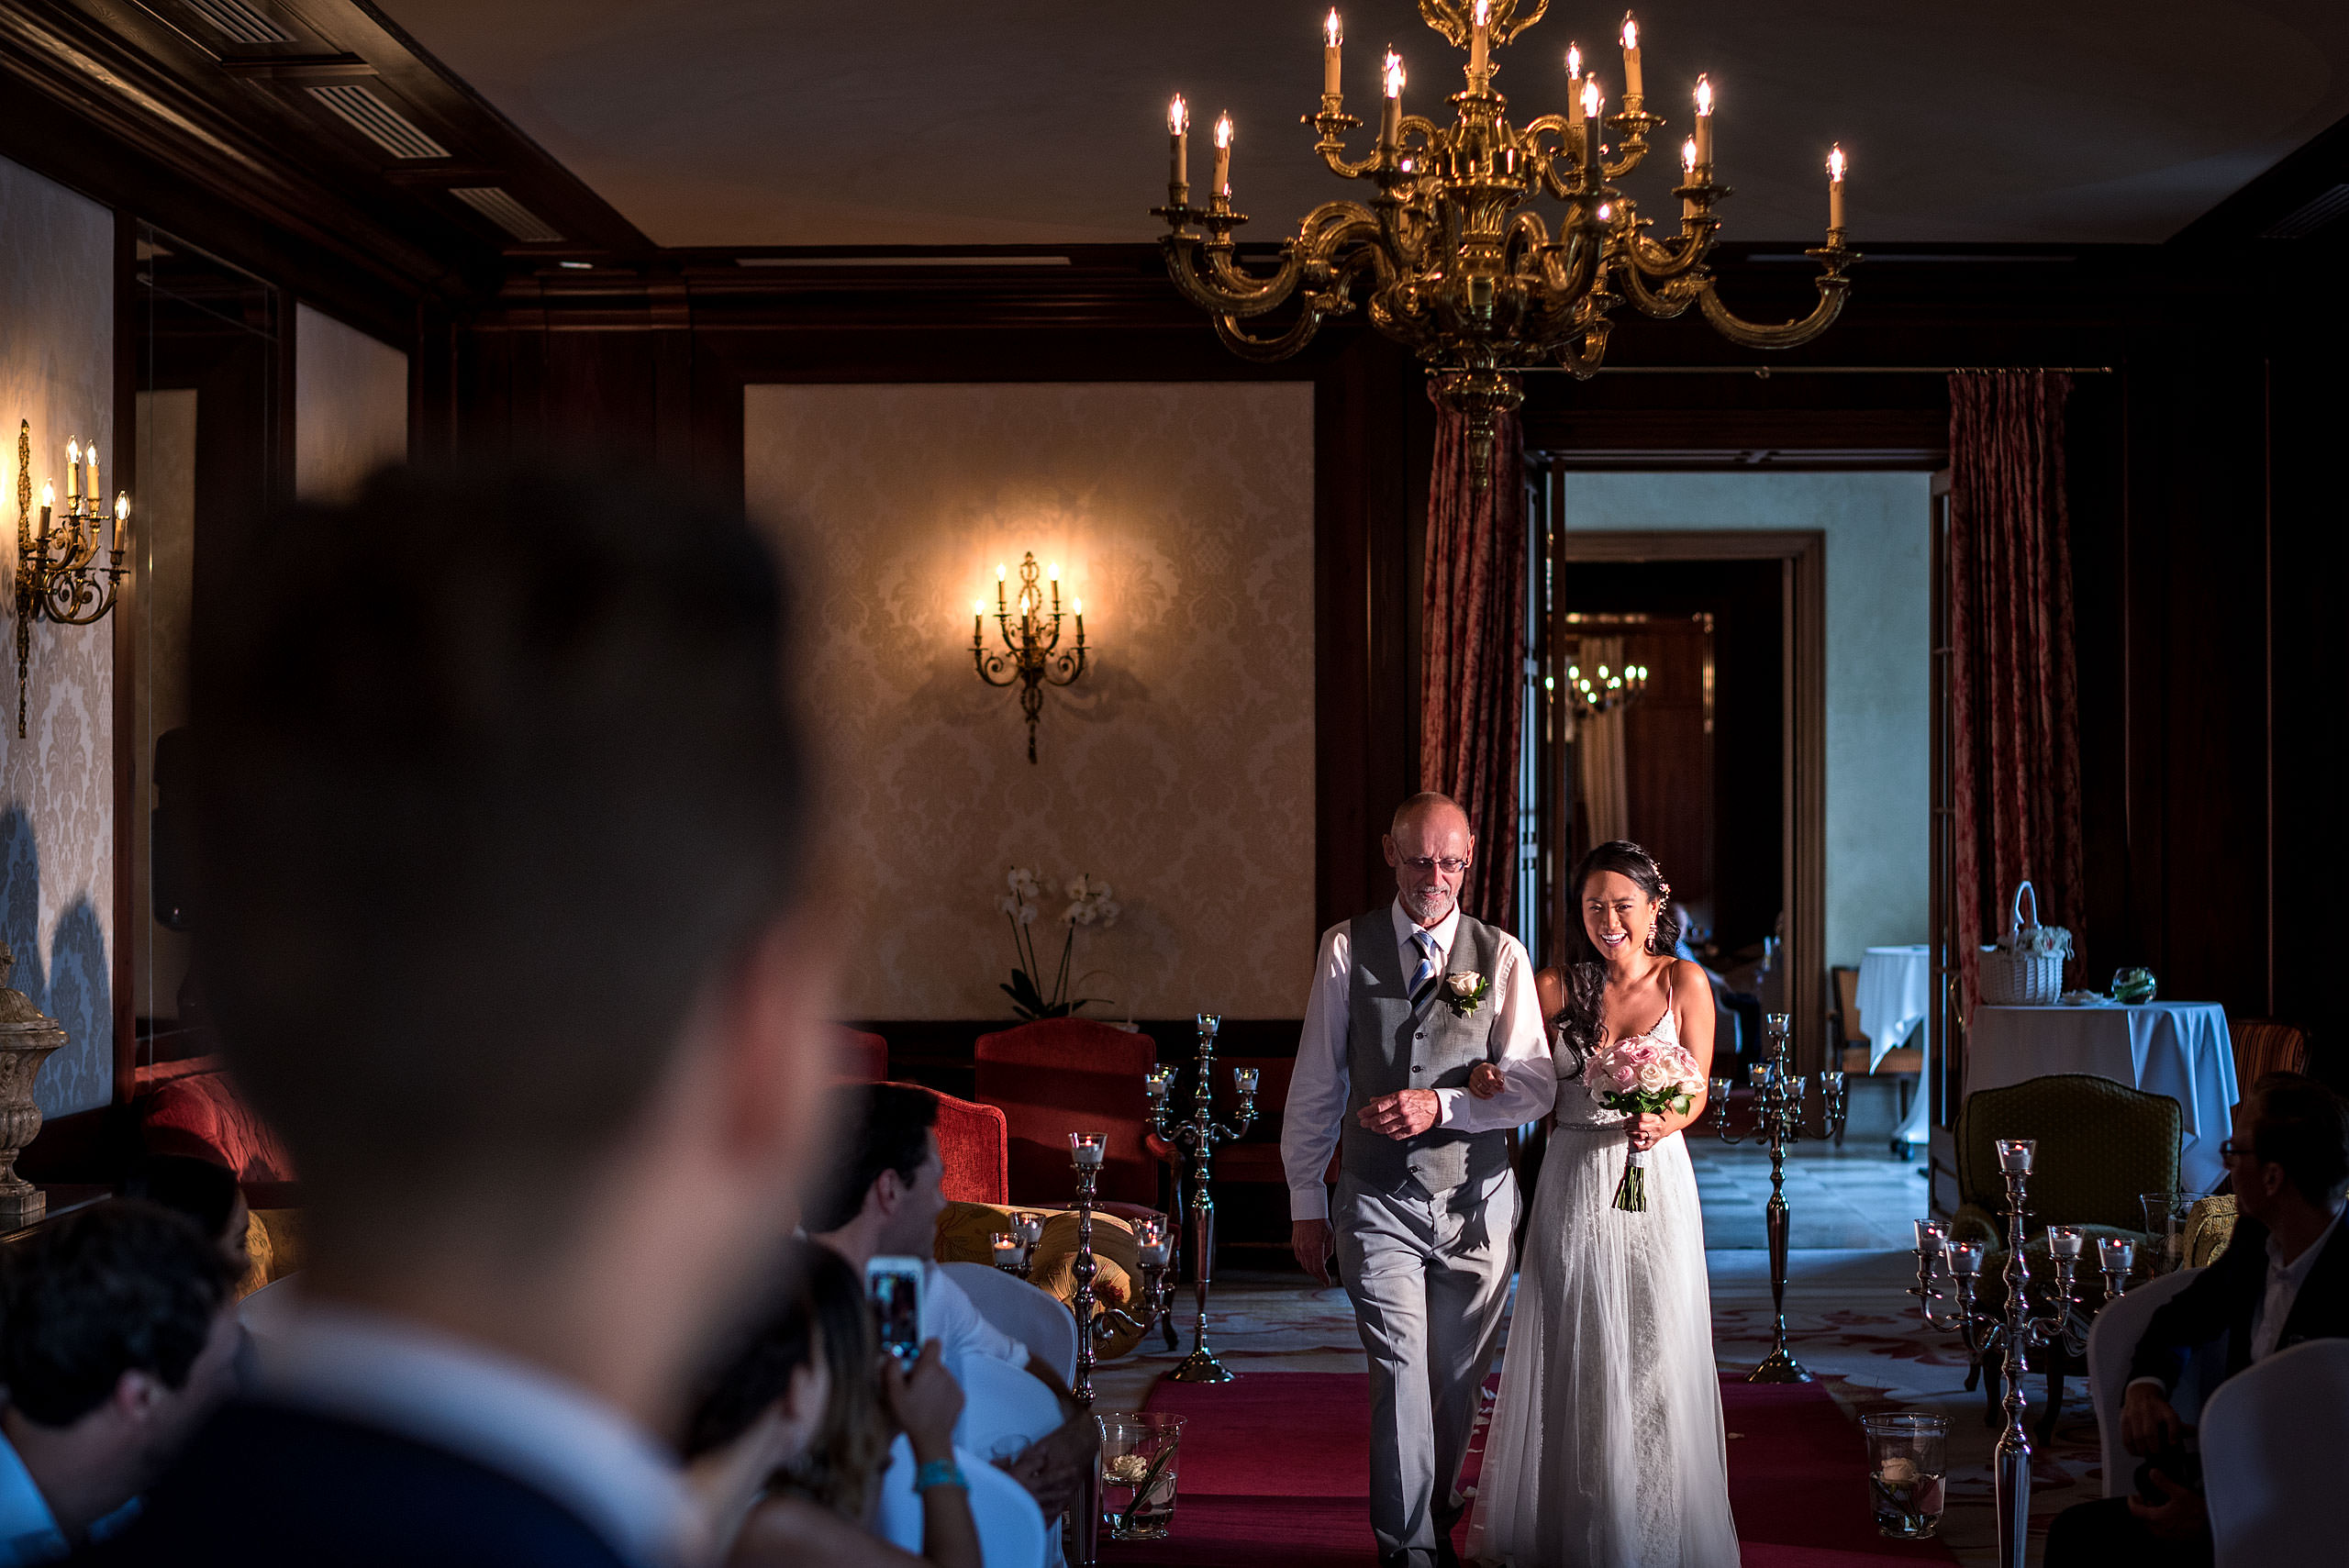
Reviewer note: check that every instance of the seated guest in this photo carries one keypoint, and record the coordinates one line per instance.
(120, 1339)
(504, 913)
(791, 1437)
(2283, 1278)
(881, 1198)
(205, 1192)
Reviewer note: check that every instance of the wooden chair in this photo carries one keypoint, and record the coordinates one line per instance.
(1904, 1064)
(2267, 1045)
(1056, 1076)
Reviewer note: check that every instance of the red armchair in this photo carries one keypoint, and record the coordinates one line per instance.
(1062, 1076)
(971, 1145)
(862, 1058)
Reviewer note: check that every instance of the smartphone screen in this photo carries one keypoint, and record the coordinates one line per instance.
(894, 1286)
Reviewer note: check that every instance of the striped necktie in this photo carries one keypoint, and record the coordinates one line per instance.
(1425, 975)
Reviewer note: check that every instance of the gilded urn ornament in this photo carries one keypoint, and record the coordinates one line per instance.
(26, 1037)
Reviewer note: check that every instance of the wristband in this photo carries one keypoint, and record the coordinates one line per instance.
(940, 1473)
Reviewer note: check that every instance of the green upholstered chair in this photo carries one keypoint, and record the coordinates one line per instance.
(2101, 1144)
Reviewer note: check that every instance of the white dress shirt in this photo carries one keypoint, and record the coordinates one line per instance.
(500, 1413)
(2284, 1282)
(1317, 1095)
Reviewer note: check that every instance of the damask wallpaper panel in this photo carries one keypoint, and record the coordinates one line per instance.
(57, 783)
(350, 406)
(1179, 769)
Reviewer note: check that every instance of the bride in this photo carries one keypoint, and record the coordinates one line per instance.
(1607, 1447)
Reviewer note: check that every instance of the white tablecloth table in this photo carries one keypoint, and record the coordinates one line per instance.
(1894, 990)
(2178, 1049)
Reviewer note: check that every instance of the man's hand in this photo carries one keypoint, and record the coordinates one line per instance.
(2183, 1517)
(1407, 1113)
(1053, 1466)
(1485, 1081)
(2148, 1425)
(1313, 1243)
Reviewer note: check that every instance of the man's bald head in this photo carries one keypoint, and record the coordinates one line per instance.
(1430, 847)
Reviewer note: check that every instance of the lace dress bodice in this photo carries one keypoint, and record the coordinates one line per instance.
(1575, 1107)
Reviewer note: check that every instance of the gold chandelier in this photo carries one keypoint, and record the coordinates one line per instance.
(1445, 260)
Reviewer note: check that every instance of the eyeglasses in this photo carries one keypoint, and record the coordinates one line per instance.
(1450, 865)
(2230, 1149)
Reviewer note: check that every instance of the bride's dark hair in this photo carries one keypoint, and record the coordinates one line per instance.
(1579, 962)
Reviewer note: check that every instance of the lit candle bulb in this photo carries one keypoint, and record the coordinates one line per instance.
(1835, 166)
(1633, 85)
(1480, 25)
(1688, 175)
(1591, 101)
(73, 473)
(121, 517)
(94, 490)
(999, 588)
(1222, 160)
(1333, 35)
(1704, 123)
(47, 501)
(1178, 141)
(1390, 126)
(1573, 64)
(1078, 606)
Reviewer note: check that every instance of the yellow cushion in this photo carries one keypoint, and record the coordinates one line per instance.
(964, 1232)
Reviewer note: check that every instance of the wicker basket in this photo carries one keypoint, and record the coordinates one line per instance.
(2011, 978)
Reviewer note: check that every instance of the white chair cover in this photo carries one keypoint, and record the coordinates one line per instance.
(1004, 1409)
(2272, 1439)
(1011, 1527)
(1035, 1318)
(2112, 1344)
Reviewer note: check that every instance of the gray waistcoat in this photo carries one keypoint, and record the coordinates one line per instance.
(1392, 1045)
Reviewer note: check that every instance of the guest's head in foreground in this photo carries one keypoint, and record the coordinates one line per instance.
(1431, 848)
(119, 1337)
(506, 908)
(205, 1192)
(2290, 1150)
(881, 1193)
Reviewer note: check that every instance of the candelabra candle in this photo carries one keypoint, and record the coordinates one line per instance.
(1835, 166)
(2064, 1241)
(1933, 1236)
(1087, 1147)
(1005, 1248)
(1390, 123)
(1965, 1257)
(2116, 1255)
(1635, 84)
(1244, 1080)
(1178, 145)
(1332, 36)
(2014, 1155)
(1704, 137)
(1480, 43)
(1029, 1226)
(1222, 188)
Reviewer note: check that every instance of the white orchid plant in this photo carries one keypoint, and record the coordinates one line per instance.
(1089, 903)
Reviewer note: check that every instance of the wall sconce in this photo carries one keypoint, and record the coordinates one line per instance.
(55, 576)
(1031, 653)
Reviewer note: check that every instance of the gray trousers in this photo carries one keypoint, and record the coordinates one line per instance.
(1429, 1285)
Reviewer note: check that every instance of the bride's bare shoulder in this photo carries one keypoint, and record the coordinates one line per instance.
(1550, 984)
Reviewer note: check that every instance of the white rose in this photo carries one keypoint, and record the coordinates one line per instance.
(1654, 1076)
(1898, 1473)
(1464, 983)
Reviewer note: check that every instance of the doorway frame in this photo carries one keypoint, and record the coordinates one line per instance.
(1802, 586)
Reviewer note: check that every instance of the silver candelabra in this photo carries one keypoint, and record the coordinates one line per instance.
(1197, 1138)
(1780, 1112)
(2015, 1330)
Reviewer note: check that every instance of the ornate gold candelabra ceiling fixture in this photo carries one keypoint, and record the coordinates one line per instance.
(1446, 256)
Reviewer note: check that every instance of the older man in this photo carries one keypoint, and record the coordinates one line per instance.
(1406, 999)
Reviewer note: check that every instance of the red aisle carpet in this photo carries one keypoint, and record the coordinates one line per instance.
(1275, 1469)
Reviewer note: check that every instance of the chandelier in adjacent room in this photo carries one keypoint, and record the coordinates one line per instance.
(1591, 694)
(1447, 256)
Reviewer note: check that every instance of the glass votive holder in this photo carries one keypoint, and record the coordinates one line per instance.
(1907, 1465)
(1089, 1148)
(2015, 1155)
(1758, 1075)
(1932, 1238)
(1965, 1258)
(1029, 1226)
(1244, 1080)
(1159, 1081)
(2115, 1254)
(1005, 1247)
(1209, 1023)
(2063, 1241)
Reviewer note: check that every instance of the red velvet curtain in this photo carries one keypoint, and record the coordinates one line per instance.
(2014, 690)
(1473, 628)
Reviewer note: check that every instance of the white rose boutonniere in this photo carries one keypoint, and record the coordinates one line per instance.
(1464, 991)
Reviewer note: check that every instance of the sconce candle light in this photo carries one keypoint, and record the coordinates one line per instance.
(1029, 627)
(57, 574)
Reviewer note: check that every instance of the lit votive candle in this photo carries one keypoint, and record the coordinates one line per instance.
(1244, 1080)
(1965, 1257)
(1087, 1147)
(1029, 1227)
(1932, 1237)
(2014, 1155)
(1007, 1249)
(2064, 1241)
(1158, 1080)
(1758, 1075)
(2116, 1255)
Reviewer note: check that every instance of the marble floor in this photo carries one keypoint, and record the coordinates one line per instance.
(1848, 1321)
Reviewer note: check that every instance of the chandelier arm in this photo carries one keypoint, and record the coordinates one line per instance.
(1266, 349)
(1583, 364)
(1332, 143)
(992, 665)
(1634, 154)
(1663, 261)
(1568, 283)
(1182, 254)
(1545, 159)
(1236, 282)
(1527, 238)
(1408, 249)
(1783, 334)
(1663, 304)
(1429, 135)
(1065, 668)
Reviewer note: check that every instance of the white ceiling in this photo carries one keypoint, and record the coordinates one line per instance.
(782, 122)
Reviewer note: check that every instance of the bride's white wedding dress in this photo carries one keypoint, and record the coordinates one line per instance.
(1607, 1447)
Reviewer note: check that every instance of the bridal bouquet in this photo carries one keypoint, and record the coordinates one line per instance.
(1638, 1077)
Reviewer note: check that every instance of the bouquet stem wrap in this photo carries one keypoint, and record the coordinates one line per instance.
(1640, 1077)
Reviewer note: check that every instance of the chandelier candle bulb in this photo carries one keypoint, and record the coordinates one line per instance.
(95, 489)
(1222, 178)
(121, 517)
(1480, 25)
(1835, 166)
(1705, 124)
(1333, 35)
(1592, 101)
(1178, 141)
(1390, 123)
(72, 474)
(1634, 86)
